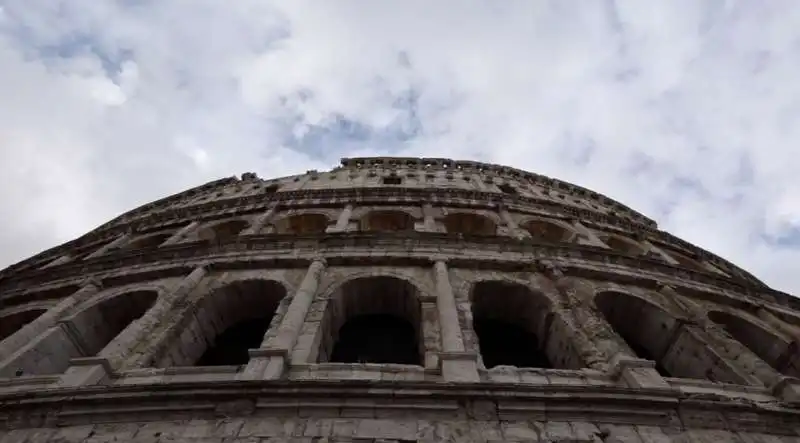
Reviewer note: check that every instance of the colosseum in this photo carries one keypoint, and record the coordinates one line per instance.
(393, 300)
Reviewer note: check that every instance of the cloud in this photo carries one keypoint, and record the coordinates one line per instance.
(685, 110)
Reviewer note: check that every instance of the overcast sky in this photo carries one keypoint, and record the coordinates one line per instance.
(686, 110)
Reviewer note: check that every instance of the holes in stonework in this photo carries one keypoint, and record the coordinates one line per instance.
(228, 322)
(387, 221)
(511, 324)
(302, 224)
(505, 188)
(11, 323)
(469, 224)
(373, 320)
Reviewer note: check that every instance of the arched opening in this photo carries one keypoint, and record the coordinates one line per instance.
(469, 224)
(387, 221)
(546, 231)
(40, 295)
(11, 323)
(302, 224)
(228, 322)
(766, 345)
(373, 320)
(99, 324)
(644, 327)
(223, 232)
(654, 334)
(84, 334)
(686, 261)
(146, 242)
(622, 245)
(511, 323)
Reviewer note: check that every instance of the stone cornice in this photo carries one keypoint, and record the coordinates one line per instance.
(409, 249)
(661, 407)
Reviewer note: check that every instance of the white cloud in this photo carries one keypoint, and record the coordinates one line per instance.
(690, 107)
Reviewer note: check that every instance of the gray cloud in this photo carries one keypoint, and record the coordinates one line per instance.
(684, 110)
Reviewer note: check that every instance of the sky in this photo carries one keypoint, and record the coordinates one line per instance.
(685, 110)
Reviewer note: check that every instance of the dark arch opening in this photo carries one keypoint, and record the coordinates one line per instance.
(546, 231)
(12, 323)
(373, 320)
(622, 245)
(150, 241)
(504, 343)
(302, 224)
(229, 321)
(378, 338)
(765, 344)
(511, 324)
(99, 324)
(469, 224)
(387, 221)
(223, 232)
(644, 327)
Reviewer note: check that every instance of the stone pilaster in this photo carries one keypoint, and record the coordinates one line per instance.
(181, 234)
(14, 345)
(457, 365)
(429, 222)
(741, 359)
(116, 243)
(59, 261)
(511, 224)
(124, 344)
(586, 236)
(594, 337)
(257, 224)
(343, 221)
(271, 359)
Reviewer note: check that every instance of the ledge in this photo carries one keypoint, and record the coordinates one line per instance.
(351, 398)
(406, 249)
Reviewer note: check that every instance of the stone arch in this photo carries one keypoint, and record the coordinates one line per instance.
(767, 345)
(227, 322)
(547, 230)
(653, 333)
(98, 322)
(386, 220)
(223, 231)
(305, 223)
(11, 322)
(375, 319)
(512, 324)
(622, 244)
(146, 242)
(469, 224)
(686, 261)
(83, 334)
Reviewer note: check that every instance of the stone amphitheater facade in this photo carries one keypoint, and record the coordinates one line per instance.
(393, 300)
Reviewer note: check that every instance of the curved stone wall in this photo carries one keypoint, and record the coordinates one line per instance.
(393, 299)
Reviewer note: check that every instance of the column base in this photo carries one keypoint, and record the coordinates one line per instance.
(459, 367)
(637, 372)
(265, 364)
(86, 371)
(787, 390)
